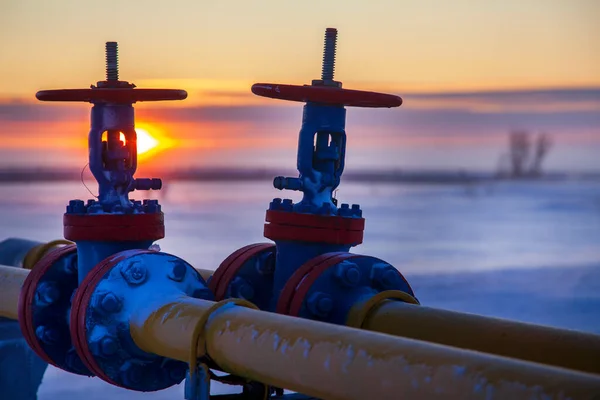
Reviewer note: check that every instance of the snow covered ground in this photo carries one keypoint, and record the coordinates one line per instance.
(523, 251)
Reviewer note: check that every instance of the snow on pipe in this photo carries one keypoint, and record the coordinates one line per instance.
(337, 362)
(328, 361)
(546, 345)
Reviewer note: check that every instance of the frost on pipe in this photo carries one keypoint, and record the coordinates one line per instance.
(337, 362)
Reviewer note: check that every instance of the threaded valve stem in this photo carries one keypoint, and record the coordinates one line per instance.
(329, 54)
(112, 61)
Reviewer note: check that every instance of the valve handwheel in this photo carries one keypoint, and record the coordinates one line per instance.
(112, 90)
(125, 95)
(331, 95)
(326, 90)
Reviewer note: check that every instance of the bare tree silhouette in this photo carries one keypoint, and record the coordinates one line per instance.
(543, 145)
(520, 147)
(521, 160)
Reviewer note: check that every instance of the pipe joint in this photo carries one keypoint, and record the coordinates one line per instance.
(44, 301)
(104, 303)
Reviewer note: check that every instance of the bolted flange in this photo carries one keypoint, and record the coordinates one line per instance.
(103, 305)
(44, 303)
(320, 304)
(247, 273)
(345, 278)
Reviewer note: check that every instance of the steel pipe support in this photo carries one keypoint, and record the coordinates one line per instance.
(336, 362)
(546, 345)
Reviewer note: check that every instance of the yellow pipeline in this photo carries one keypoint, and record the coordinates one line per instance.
(559, 347)
(36, 253)
(336, 362)
(11, 281)
(205, 273)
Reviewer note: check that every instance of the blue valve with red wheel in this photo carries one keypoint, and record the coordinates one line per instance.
(309, 271)
(111, 270)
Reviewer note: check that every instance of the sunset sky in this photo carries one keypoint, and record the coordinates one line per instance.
(468, 71)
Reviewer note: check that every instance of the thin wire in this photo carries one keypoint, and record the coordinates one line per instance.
(82, 181)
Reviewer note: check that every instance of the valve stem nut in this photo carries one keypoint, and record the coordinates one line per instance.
(47, 293)
(287, 205)
(110, 303)
(241, 288)
(348, 273)
(130, 374)
(177, 272)
(385, 276)
(344, 210)
(320, 304)
(151, 206)
(76, 207)
(105, 346)
(275, 204)
(134, 273)
(47, 335)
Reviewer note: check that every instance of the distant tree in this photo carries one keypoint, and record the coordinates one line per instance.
(521, 160)
(520, 148)
(543, 145)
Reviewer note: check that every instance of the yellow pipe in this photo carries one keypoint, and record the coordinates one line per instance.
(35, 254)
(559, 347)
(205, 273)
(336, 362)
(11, 281)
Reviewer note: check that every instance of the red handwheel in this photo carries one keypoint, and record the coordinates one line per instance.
(126, 95)
(112, 90)
(326, 90)
(326, 95)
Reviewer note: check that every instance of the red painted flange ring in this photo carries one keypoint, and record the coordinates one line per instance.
(331, 229)
(27, 297)
(80, 303)
(229, 268)
(306, 234)
(111, 95)
(287, 293)
(326, 95)
(295, 290)
(306, 283)
(114, 227)
(315, 221)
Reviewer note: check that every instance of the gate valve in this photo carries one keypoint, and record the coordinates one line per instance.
(321, 160)
(113, 222)
(112, 161)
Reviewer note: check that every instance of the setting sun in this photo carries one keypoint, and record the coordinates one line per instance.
(145, 141)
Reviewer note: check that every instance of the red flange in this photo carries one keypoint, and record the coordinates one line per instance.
(315, 221)
(229, 268)
(314, 235)
(27, 296)
(311, 276)
(326, 95)
(295, 290)
(283, 225)
(80, 303)
(111, 95)
(288, 291)
(114, 227)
